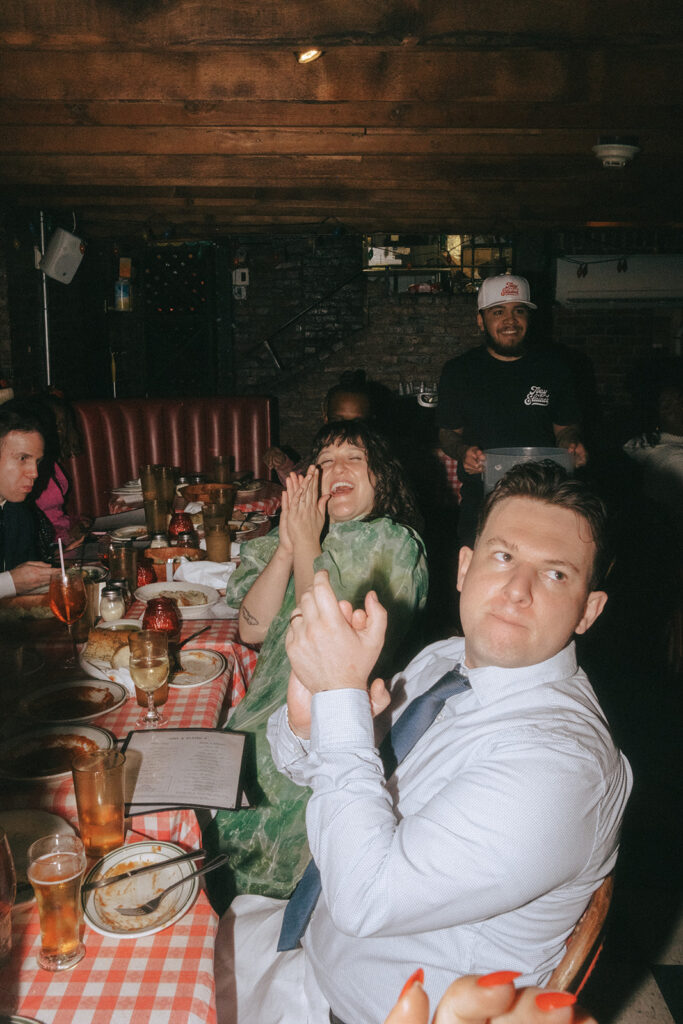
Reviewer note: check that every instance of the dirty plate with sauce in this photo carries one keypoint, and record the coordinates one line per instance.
(76, 701)
(47, 753)
(198, 667)
(100, 905)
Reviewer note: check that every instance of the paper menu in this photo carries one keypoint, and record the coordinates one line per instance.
(170, 768)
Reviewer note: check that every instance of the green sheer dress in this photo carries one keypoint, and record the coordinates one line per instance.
(267, 841)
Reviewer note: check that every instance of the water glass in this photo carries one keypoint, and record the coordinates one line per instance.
(222, 469)
(217, 543)
(55, 870)
(156, 515)
(148, 483)
(98, 782)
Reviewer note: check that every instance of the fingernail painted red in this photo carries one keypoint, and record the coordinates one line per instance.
(554, 1000)
(498, 978)
(419, 975)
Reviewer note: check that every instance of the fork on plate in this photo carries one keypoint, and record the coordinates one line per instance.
(151, 905)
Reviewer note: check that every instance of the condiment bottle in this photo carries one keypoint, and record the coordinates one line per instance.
(112, 604)
(159, 540)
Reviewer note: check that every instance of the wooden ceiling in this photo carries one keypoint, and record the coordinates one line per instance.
(194, 115)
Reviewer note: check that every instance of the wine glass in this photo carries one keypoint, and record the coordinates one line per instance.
(68, 601)
(149, 667)
(8, 891)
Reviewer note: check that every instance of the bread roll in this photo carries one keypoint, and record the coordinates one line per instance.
(103, 644)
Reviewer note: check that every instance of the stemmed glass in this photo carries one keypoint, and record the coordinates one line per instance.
(149, 667)
(68, 600)
(8, 891)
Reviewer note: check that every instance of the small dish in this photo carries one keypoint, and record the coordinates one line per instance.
(198, 667)
(100, 905)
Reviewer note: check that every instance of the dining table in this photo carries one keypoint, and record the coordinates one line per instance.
(153, 979)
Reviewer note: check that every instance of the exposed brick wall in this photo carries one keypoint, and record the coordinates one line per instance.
(394, 337)
(407, 338)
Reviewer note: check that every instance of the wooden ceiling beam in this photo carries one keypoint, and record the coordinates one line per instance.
(91, 23)
(402, 172)
(369, 113)
(603, 76)
(301, 142)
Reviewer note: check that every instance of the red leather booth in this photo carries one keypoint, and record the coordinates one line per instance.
(120, 435)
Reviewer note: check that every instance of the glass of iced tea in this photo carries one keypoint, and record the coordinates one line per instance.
(149, 667)
(98, 782)
(68, 600)
(55, 870)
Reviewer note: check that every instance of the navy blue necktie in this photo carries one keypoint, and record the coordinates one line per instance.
(398, 742)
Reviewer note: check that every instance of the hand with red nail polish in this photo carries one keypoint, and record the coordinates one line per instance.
(491, 999)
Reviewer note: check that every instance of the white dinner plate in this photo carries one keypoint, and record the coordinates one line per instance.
(20, 757)
(195, 611)
(23, 827)
(94, 698)
(100, 905)
(198, 667)
(130, 533)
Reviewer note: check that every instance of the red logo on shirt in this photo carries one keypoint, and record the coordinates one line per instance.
(510, 289)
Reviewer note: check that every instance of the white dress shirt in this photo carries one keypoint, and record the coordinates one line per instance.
(481, 851)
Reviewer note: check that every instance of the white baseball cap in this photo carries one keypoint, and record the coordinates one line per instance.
(504, 288)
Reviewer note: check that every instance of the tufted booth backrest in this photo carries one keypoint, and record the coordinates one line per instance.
(122, 434)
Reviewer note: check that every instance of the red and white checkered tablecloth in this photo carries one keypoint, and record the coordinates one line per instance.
(268, 502)
(451, 482)
(165, 978)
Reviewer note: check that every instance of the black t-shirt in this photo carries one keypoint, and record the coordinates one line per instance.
(504, 404)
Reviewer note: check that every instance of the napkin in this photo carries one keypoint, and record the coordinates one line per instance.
(210, 574)
(193, 507)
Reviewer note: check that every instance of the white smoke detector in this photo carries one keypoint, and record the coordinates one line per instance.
(615, 154)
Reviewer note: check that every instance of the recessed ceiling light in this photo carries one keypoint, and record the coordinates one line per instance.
(306, 56)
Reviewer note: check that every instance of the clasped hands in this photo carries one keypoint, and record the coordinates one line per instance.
(302, 514)
(331, 646)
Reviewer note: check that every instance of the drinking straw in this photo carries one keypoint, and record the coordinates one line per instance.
(61, 558)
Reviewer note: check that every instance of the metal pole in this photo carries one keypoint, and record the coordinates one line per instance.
(46, 321)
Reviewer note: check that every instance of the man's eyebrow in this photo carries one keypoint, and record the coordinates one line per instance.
(551, 563)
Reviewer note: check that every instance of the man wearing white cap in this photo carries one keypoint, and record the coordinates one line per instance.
(503, 394)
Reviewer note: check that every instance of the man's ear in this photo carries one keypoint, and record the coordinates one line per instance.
(464, 559)
(480, 322)
(595, 602)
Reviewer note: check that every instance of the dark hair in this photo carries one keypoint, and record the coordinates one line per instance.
(548, 482)
(15, 415)
(393, 497)
(351, 382)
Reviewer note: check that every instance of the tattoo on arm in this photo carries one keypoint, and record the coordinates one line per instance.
(248, 617)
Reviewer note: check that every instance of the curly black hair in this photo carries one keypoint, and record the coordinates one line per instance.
(393, 497)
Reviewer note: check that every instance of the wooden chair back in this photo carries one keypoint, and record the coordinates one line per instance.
(585, 942)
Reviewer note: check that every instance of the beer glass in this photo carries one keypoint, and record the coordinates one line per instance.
(98, 782)
(8, 892)
(55, 870)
